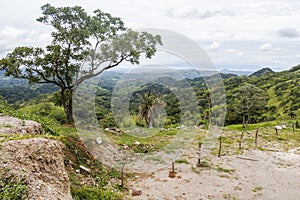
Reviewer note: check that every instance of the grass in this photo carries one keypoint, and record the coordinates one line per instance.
(182, 161)
(94, 193)
(144, 145)
(257, 189)
(12, 186)
(229, 196)
(239, 127)
(230, 171)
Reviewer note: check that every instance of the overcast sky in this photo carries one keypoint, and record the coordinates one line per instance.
(236, 34)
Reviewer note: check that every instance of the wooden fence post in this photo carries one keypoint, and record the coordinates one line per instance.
(256, 136)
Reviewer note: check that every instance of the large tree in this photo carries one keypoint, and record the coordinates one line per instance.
(250, 101)
(82, 47)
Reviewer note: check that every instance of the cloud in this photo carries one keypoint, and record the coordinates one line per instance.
(196, 14)
(11, 32)
(240, 53)
(268, 47)
(230, 50)
(214, 46)
(288, 32)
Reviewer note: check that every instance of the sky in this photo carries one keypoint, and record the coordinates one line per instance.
(236, 34)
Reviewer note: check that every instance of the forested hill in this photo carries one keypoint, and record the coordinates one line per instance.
(277, 95)
(282, 90)
(19, 90)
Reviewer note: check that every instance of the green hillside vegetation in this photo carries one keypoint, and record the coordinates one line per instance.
(281, 107)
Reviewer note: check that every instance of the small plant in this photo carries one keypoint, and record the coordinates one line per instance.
(257, 189)
(182, 161)
(220, 169)
(229, 196)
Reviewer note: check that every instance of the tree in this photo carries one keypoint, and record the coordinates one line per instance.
(150, 105)
(83, 46)
(250, 100)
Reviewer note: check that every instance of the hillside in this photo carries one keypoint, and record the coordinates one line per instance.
(262, 72)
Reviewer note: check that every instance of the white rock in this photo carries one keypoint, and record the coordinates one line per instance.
(99, 140)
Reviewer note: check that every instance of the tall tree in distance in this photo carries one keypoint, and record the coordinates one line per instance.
(250, 100)
(83, 46)
(150, 105)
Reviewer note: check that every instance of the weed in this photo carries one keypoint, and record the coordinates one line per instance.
(182, 161)
(257, 189)
(220, 169)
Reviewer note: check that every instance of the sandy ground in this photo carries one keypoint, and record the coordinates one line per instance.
(268, 175)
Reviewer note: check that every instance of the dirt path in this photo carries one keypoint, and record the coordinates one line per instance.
(274, 176)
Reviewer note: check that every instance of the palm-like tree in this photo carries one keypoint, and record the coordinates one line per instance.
(149, 105)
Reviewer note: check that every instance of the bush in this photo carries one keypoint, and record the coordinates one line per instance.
(46, 110)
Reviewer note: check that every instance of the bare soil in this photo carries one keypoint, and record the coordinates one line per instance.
(253, 175)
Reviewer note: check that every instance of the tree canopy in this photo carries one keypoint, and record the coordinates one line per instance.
(82, 47)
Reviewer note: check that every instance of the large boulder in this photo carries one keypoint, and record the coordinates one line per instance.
(12, 125)
(42, 162)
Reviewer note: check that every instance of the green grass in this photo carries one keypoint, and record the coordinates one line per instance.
(12, 186)
(230, 171)
(257, 189)
(94, 193)
(182, 161)
(239, 127)
(158, 140)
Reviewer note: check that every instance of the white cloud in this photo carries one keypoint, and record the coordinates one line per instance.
(230, 50)
(194, 13)
(240, 53)
(11, 32)
(268, 47)
(214, 46)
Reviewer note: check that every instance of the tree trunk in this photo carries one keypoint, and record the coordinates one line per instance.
(66, 101)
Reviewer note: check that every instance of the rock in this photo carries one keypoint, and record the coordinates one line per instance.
(41, 161)
(99, 140)
(85, 169)
(137, 143)
(12, 125)
(113, 130)
(136, 192)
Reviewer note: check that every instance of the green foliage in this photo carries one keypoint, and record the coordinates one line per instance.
(297, 124)
(220, 169)
(257, 189)
(46, 109)
(12, 187)
(4, 106)
(93, 193)
(182, 161)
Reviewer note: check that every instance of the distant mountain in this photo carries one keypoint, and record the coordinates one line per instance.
(239, 73)
(262, 72)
